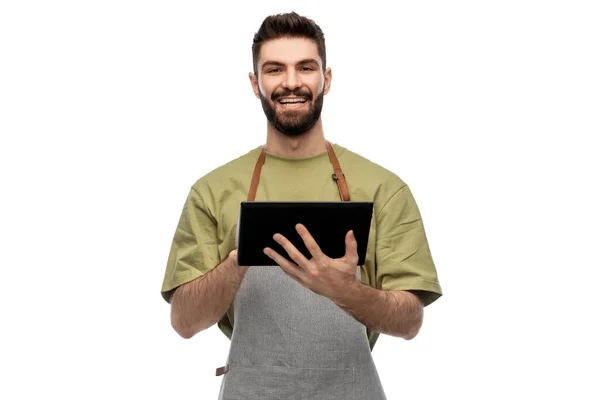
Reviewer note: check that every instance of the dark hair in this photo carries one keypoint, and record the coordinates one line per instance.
(289, 25)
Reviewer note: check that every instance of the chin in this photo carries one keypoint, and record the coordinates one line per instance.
(294, 130)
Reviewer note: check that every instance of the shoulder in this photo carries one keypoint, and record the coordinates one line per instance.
(219, 178)
(369, 174)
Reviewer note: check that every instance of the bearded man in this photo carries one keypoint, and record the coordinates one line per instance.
(302, 329)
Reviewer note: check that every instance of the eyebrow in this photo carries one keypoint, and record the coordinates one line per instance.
(279, 64)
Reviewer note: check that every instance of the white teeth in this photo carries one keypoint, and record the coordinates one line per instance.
(297, 100)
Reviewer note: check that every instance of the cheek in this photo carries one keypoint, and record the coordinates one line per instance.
(261, 88)
(317, 85)
(266, 87)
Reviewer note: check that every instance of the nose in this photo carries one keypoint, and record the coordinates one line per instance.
(292, 80)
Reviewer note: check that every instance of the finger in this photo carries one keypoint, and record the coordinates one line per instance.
(309, 241)
(289, 267)
(292, 251)
(279, 259)
(351, 248)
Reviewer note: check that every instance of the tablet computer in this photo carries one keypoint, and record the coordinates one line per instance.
(327, 222)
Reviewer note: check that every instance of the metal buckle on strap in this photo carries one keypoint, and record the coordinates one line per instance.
(335, 176)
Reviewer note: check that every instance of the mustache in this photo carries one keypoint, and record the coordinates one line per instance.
(296, 92)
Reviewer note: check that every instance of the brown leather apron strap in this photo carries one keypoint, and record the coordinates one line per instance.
(256, 175)
(223, 370)
(338, 175)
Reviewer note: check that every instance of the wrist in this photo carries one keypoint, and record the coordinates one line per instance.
(346, 296)
(232, 259)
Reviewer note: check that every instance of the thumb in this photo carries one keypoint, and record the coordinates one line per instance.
(351, 247)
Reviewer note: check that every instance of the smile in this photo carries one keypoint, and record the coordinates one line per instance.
(292, 102)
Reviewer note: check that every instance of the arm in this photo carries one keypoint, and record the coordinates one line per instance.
(397, 313)
(199, 304)
(393, 312)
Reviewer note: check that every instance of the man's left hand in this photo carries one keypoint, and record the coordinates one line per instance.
(323, 275)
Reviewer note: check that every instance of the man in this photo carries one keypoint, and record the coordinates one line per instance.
(304, 329)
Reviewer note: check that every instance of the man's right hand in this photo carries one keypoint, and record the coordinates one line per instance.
(201, 303)
(233, 258)
(233, 255)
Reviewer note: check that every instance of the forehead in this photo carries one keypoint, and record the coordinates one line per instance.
(288, 50)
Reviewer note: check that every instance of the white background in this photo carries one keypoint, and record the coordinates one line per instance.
(110, 110)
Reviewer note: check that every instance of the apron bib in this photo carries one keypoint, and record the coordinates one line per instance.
(291, 343)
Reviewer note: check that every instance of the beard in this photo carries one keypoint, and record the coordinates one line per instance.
(293, 122)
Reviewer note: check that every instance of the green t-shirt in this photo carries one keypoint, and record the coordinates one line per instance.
(398, 255)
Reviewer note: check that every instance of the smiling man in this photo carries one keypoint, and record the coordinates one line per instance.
(295, 100)
(304, 329)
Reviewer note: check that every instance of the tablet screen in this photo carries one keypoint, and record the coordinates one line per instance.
(327, 222)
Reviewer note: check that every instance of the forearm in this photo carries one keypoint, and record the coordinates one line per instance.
(395, 313)
(199, 304)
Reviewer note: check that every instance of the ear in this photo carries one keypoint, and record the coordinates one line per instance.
(327, 81)
(254, 83)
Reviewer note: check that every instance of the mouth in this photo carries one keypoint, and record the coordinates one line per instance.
(292, 102)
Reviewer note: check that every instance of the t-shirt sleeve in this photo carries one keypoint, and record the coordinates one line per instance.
(403, 257)
(194, 248)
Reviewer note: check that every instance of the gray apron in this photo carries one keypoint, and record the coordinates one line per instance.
(291, 343)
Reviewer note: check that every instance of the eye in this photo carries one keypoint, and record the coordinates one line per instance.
(273, 70)
(306, 69)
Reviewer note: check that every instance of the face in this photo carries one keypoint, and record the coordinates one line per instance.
(291, 84)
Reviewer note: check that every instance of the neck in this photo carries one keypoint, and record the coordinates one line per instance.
(310, 143)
